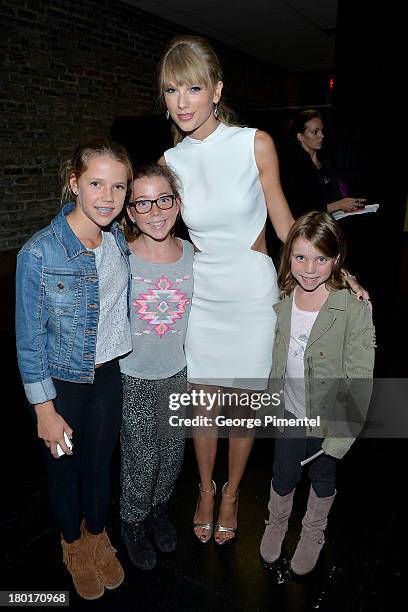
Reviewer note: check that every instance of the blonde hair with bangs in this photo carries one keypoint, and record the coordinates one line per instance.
(189, 60)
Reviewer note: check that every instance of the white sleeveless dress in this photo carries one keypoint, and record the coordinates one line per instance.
(231, 325)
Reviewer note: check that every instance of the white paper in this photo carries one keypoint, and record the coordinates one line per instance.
(340, 214)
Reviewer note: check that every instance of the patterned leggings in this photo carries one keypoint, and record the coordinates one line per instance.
(150, 464)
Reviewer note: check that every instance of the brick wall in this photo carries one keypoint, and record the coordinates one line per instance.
(70, 68)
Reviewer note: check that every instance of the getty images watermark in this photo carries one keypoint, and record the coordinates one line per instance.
(204, 400)
(335, 407)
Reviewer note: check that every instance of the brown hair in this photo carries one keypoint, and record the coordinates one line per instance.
(297, 125)
(325, 234)
(191, 59)
(78, 163)
(130, 228)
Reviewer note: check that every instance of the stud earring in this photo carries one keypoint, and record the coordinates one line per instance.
(216, 111)
(167, 114)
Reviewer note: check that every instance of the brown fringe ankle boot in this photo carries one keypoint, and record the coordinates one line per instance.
(108, 567)
(82, 568)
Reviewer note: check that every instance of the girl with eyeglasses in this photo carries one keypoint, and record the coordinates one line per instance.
(162, 284)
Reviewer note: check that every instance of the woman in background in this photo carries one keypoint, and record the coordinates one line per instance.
(309, 181)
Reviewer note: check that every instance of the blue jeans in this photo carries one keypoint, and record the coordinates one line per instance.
(291, 447)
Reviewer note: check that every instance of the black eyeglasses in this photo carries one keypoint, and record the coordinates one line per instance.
(144, 206)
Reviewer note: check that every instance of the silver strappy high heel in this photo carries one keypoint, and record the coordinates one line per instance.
(207, 526)
(222, 528)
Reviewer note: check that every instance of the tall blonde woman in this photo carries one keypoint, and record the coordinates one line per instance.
(230, 177)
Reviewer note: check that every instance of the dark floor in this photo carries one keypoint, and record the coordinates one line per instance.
(363, 565)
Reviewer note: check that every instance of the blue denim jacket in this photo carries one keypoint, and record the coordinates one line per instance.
(57, 308)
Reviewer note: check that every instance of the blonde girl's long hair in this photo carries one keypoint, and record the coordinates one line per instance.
(192, 60)
(325, 234)
(77, 164)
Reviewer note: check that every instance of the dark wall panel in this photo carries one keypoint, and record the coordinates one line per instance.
(69, 68)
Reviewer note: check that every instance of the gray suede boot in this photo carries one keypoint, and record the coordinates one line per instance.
(312, 535)
(277, 525)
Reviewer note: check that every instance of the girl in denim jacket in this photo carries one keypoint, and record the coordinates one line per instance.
(324, 355)
(72, 286)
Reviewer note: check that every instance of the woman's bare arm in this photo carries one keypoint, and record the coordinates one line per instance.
(268, 165)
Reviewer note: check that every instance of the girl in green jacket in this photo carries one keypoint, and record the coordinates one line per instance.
(324, 342)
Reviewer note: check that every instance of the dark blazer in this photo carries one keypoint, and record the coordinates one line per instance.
(307, 188)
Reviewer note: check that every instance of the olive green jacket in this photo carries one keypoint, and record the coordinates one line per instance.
(338, 367)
